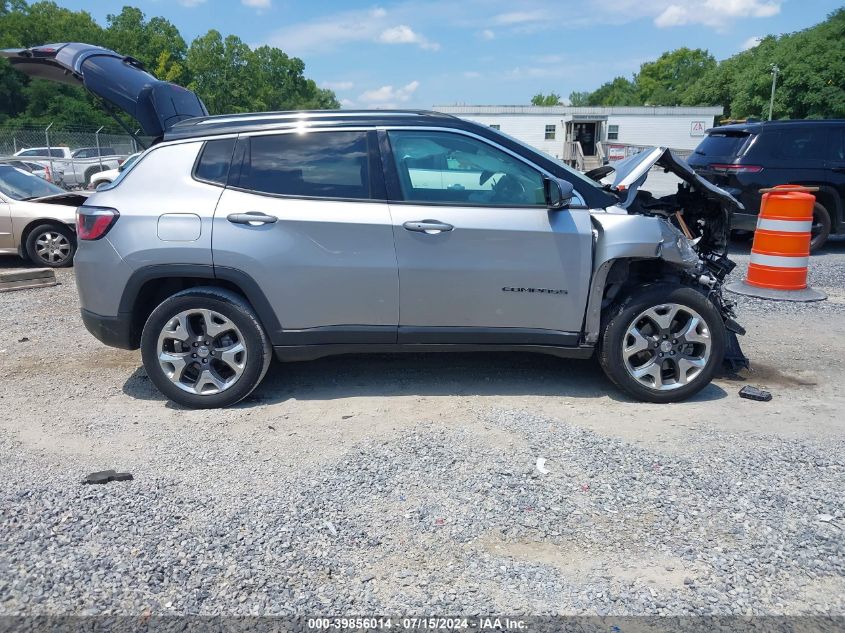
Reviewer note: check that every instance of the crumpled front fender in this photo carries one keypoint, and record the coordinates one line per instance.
(623, 236)
(620, 236)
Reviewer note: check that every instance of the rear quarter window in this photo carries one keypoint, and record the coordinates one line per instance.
(214, 161)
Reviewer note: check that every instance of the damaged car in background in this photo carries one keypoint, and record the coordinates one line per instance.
(37, 218)
(383, 231)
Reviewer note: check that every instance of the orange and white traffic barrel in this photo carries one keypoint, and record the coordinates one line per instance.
(780, 255)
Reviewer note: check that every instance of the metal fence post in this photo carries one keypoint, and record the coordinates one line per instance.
(49, 151)
(97, 139)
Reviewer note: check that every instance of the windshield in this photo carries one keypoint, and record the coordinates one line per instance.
(21, 185)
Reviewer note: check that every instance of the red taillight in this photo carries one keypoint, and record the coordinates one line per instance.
(92, 223)
(736, 169)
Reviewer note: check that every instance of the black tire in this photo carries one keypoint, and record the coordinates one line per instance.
(622, 316)
(234, 308)
(59, 256)
(821, 227)
(90, 172)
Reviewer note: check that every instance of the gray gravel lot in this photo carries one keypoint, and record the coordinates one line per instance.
(409, 484)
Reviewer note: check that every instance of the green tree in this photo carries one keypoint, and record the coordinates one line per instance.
(617, 92)
(156, 43)
(226, 73)
(579, 98)
(540, 99)
(811, 82)
(666, 80)
(230, 77)
(221, 73)
(25, 102)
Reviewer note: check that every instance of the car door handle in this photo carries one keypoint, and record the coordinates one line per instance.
(839, 170)
(251, 217)
(427, 226)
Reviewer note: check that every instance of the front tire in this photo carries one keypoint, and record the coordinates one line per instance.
(52, 245)
(204, 348)
(663, 343)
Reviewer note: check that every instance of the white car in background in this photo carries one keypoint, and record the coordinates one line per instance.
(42, 171)
(73, 168)
(108, 176)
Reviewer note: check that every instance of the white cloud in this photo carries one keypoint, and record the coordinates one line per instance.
(257, 4)
(337, 85)
(404, 34)
(191, 3)
(751, 42)
(715, 13)
(388, 96)
(471, 74)
(488, 34)
(519, 17)
(347, 103)
(336, 30)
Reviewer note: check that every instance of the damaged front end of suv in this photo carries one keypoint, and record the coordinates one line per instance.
(681, 236)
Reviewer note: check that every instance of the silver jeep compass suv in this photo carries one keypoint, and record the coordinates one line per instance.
(304, 234)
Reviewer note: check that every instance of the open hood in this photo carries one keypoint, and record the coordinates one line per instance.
(120, 81)
(72, 198)
(632, 172)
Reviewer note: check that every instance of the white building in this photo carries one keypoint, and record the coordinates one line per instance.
(585, 136)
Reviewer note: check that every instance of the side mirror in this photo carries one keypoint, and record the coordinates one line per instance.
(557, 192)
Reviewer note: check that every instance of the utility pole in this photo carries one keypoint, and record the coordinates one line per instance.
(775, 71)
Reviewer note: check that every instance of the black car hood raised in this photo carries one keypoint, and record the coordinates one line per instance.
(119, 80)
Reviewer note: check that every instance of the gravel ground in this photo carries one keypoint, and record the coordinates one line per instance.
(410, 484)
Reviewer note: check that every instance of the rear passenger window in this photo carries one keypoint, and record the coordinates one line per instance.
(803, 143)
(315, 164)
(837, 144)
(213, 165)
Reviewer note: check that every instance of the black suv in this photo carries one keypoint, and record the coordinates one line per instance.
(743, 158)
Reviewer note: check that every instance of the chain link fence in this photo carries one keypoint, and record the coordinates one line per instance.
(72, 154)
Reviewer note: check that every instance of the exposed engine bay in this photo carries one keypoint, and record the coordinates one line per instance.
(701, 211)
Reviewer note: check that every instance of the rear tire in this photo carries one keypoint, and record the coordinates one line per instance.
(204, 348)
(90, 172)
(51, 245)
(660, 364)
(821, 227)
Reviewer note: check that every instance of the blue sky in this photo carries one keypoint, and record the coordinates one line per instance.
(427, 52)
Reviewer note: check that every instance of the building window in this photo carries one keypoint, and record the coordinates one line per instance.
(550, 132)
(495, 126)
(612, 132)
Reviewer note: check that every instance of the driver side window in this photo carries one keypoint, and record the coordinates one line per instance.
(447, 168)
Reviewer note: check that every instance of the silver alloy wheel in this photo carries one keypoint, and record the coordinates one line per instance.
(52, 247)
(201, 351)
(666, 346)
